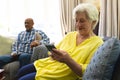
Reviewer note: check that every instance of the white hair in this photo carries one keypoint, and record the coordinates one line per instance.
(91, 12)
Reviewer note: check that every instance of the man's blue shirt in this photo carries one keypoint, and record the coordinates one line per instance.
(22, 44)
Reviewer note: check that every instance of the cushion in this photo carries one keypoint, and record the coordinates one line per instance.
(102, 64)
(39, 52)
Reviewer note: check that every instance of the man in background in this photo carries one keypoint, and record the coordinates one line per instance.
(22, 48)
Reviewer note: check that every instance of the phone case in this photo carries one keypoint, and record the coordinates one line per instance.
(50, 46)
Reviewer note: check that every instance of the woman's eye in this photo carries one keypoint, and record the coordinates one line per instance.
(76, 21)
(82, 21)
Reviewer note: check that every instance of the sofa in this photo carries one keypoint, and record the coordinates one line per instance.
(12, 68)
(105, 63)
(110, 58)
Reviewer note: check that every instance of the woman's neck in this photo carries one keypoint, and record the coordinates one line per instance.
(85, 36)
(80, 38)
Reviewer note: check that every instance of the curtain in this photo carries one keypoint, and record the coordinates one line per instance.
(66, 19)
(110, 18)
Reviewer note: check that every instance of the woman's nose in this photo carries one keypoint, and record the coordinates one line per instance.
(78, 24)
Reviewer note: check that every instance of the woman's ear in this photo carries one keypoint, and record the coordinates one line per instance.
(93, 23)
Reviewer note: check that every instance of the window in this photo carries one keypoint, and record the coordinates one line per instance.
(44, 12)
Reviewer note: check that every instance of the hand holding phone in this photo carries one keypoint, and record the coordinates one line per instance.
(50, 46)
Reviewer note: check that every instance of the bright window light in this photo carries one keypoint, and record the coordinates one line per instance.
(45, 13)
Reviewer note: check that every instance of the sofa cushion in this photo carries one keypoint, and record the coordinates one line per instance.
(39, 52)
(102, 64)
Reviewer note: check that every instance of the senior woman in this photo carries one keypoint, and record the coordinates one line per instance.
(73, 53)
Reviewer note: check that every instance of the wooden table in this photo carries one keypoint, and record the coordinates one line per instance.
(2, 74)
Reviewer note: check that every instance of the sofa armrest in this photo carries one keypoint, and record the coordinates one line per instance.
(116, 71)
(39, 52)
(11, 68)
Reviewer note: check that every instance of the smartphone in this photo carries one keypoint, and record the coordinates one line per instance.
(50, 46)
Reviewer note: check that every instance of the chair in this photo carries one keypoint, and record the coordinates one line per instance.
(12, 68)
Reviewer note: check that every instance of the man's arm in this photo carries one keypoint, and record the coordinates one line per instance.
(44, 37)
(15, 45)
(40, 38)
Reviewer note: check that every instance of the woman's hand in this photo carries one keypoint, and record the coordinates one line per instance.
(64, 57)
(60, 55)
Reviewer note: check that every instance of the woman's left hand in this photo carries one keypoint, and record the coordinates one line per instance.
(59, 55)
(64, 57)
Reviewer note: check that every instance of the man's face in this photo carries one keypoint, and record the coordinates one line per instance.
(29, 24)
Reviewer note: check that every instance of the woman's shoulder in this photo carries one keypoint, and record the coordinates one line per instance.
(97, 39)
(72, 33)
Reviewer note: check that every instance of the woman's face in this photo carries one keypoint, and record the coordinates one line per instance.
(83, 24)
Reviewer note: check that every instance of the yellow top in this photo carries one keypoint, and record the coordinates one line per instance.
(48, 69)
